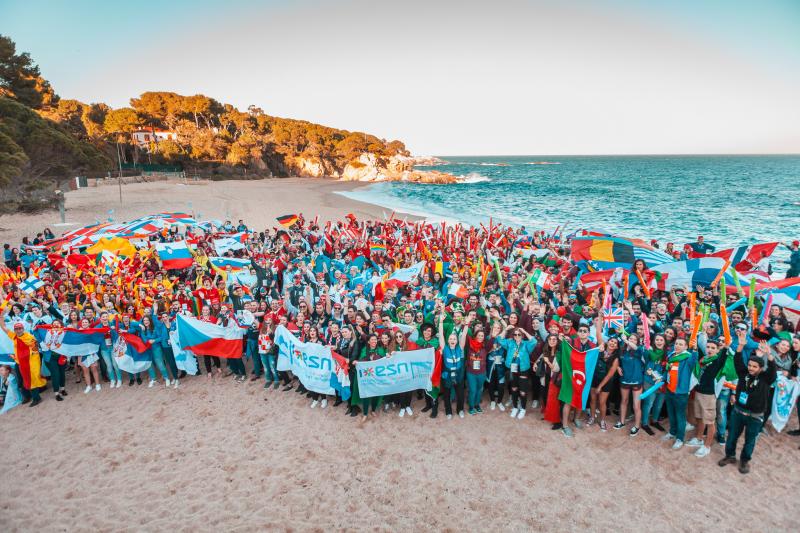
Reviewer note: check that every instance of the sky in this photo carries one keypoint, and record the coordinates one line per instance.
(464, 77)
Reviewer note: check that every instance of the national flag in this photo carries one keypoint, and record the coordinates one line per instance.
(131, 353)
(70, 342)
(787, 298)
(690, 273)
(399, 278)
(115, 245)
(592, 281)
(443, 268)
(203, 338)
(457, 290)
(236, 264)
(541, 279)
(174, 255)
(31, 285)
(577, 370)
(228, 244)
(742, 258)
(287, 221)
(340, 377)
(612, 252)
(108, 260)
(614, 318)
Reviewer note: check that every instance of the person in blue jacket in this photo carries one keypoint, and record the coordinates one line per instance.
(518, 362)
(680, 366)
(453, 368)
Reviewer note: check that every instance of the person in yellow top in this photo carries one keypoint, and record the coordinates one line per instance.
(29, 363)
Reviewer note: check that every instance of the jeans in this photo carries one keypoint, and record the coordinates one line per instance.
(251, 350)
(114, 373)
(495, 385)
(158, 359)
(722, 413)
(169, 359)
(751, 427)
(57, 372)
(676, 410)
(475, 383)
(269, 362)
(652, 404)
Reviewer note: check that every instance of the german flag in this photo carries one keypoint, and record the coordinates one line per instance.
(287, 221)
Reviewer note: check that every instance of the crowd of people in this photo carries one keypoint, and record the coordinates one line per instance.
(498, 305)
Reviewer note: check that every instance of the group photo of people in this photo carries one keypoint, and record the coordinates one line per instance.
(687, 345)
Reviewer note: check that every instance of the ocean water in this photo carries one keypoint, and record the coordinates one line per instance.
(730, 200)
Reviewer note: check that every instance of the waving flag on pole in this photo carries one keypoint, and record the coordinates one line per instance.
(577, 369)
(210, 339)
(691, 273)
(743, 258)
(174, 255)
(399, 278)
(612, 252)
(614, 318)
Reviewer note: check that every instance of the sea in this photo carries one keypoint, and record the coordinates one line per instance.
(730, 200)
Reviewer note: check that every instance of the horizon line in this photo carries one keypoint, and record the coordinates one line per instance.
(744, 154)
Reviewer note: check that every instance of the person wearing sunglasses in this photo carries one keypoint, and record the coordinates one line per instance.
(518, 361)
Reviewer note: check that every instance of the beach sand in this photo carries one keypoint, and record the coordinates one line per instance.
(258, 202)
(216, 455)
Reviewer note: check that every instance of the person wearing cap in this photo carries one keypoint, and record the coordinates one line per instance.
(26, 355)
(750, 402)
(794, 260)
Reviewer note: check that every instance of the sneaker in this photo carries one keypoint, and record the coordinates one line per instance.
(501, 407)
(658, 426)
(578, 423)
(744, 466)
(619, 425)
(97, 387)
(174, 383)
(556, 426)
(689, 427)
(668, 437)
(88, 389)
(150, 385)
(590, 422)
(478, 409)
(702, 451)
(461, 414)
(535, 404)
(603, 426)
(449, 417)
(634, 431)
(678, 444)
(402, 413)
(492, 406)
(472, 411)
(167, 382)
(409, 411)
(727, 461)
(59, 398)
(37, 401)
(314, 404)
(567, 432)
(794, 432)
(514, 412)
(694, 443)
(647, 430)
(324, 403)
(521, 414)
(385, 407)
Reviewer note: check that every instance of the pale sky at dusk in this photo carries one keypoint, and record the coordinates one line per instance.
(449, 77)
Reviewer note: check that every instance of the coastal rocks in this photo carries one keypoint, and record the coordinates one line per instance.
(369, 167)
(312, 167)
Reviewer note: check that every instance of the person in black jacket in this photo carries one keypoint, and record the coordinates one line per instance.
(750, 401)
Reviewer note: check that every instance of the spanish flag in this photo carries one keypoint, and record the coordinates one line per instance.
(287, 221)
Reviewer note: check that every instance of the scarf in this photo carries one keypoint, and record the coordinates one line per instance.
(656, 355)
(673, 365)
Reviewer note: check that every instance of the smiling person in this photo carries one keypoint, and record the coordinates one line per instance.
(26, 355)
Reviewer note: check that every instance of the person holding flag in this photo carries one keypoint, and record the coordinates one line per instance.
(26, 355)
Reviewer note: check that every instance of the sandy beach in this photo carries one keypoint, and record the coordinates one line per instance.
(216, 455)
(258, 202)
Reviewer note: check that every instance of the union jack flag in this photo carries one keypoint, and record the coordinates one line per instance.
(614, 318)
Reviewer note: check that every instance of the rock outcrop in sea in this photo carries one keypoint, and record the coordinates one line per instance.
(371, 167)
